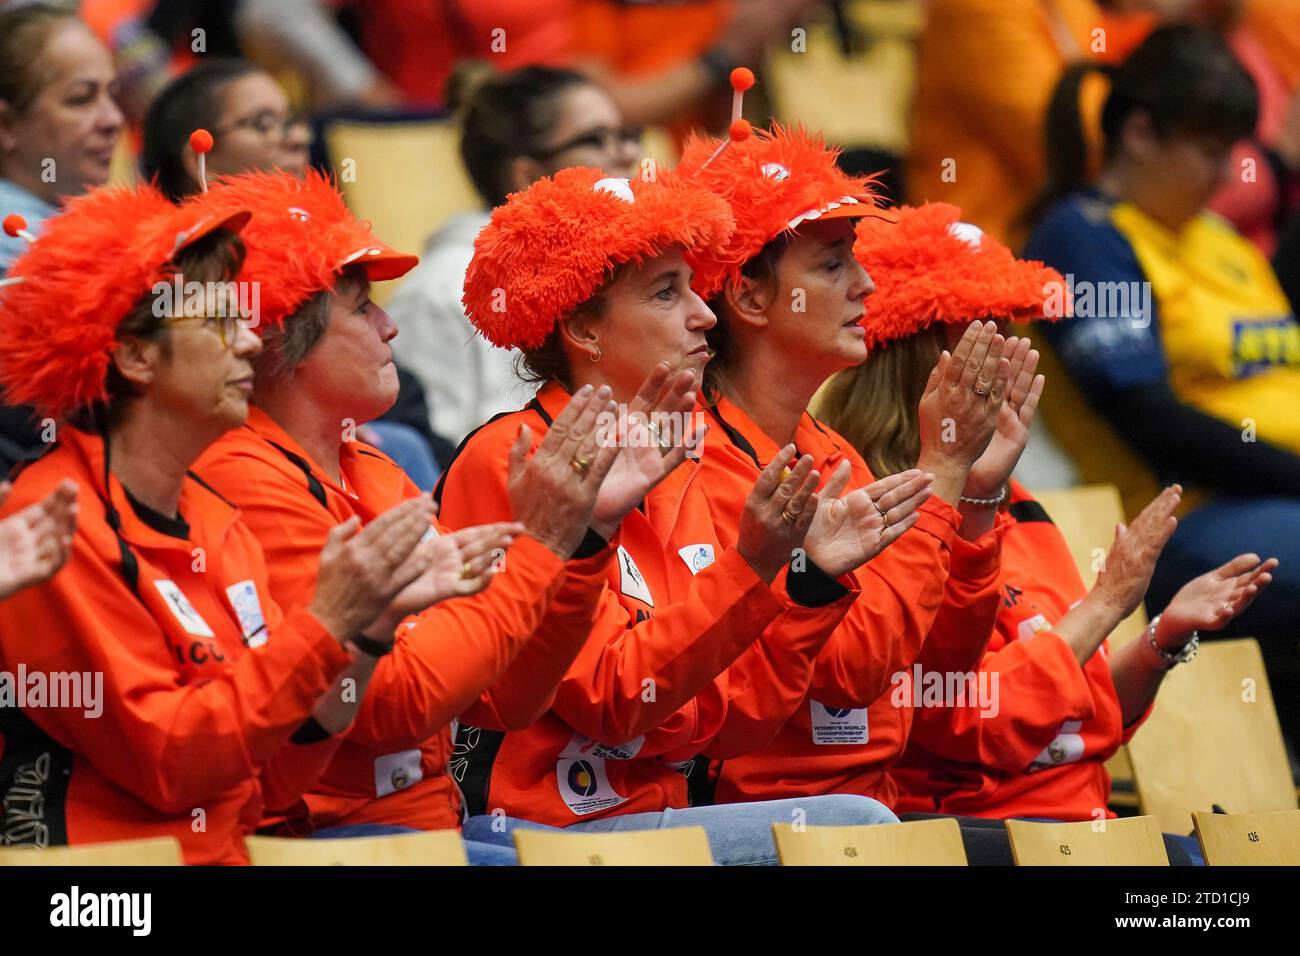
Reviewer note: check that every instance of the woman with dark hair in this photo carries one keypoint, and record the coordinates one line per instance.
(515, 128)
(199, 699)
(1180, 341)
(245, 110)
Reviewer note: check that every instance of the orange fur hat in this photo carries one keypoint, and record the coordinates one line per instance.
(774, 181)
(930, 267)
(301, 237)
(551, 247)
(92, 264)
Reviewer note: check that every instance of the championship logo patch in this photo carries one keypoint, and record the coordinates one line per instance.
(697, 556)
(243, 598)
(838, 725)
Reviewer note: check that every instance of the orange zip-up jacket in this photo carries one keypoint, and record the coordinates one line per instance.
(468, 656)
(1040, 750)
(688, 652)
(847, 733)
(204, 680)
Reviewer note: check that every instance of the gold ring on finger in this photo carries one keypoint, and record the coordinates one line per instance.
(789, 516)
(466, 571)
(580, 465)
(981, 390)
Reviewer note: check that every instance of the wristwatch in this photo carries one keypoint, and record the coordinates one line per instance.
(370, 646)
(1173, 658)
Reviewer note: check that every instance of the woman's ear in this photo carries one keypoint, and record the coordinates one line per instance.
(522, 172)
(748, 300)
(1137, 134)
(190, 160)
(136, 360)
(580, 333)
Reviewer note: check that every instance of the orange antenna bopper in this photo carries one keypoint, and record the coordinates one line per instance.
(742, 79)
(16, 226)
(201, 143)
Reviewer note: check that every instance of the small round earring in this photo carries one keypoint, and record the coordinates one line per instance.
(595, 356)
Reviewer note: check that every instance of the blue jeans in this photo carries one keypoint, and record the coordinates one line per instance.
(409, 450)
(740, 834)
(478, 854)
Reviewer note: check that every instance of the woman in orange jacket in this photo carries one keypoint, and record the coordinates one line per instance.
(161, 690)
(296, 469)
(692, 647)
(1060, 702)
(789, 298)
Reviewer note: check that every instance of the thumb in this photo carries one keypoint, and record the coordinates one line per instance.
(839, 481)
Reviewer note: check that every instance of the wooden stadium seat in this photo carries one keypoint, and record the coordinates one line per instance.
(1086, 517)
(1213, 738)
(864, 99)
(405, 176)
(680, 846)
(155, 851)
(1128, 841)
(432, 848)
(921, 843)
(1249, 839)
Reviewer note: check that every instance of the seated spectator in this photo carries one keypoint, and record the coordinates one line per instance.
(1181, 339)
(200, 698)
(59, 125)
(516, 128)
(1050, 702)
(247, 113)
(253, 128)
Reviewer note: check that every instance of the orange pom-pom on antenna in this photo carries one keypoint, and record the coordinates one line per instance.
(201, 141)
(739, 131)
(742, 79)
(14, 225)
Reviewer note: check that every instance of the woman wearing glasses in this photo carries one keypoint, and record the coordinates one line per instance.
(515, 128)
(247, 113)
(188, 699)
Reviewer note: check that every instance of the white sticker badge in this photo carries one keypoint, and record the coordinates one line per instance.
(631, 581)
(697, 556)
(182, 609)
(838, 725)
(243, 598)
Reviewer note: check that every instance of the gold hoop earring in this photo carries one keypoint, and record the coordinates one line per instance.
(595, 356)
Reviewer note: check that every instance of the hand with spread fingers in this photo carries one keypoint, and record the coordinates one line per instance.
(1209, 602)
(460, 563)
(553, 491)
(778, 513)
(1123, 582)
(993, 469)
(35, 542)
(659, 434)
(959, 409)
(363, 569)
(849, 530)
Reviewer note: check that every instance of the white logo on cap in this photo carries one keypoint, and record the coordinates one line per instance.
(615, 187)
(775, 171)
(967, 233)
